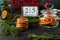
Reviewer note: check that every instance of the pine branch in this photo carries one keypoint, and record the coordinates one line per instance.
(45, 36)
(14, 31)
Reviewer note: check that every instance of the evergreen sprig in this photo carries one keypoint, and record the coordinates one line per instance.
(45, 36)
(9, 28)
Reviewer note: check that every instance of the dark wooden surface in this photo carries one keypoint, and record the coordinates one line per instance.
(35, 29)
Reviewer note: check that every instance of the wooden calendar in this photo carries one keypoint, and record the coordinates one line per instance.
(30, 11)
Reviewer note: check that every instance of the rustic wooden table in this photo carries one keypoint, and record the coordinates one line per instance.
(35, 29)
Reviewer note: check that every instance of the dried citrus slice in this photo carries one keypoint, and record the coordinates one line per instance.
(4, 14)
(47, 20)
(53, 23)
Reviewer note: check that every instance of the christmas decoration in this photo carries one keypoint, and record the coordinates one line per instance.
(22, 23)
(14, 26)
(16, 4)
(9, 28)
(49, 19)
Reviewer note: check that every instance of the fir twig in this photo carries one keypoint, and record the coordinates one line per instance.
(45, 36)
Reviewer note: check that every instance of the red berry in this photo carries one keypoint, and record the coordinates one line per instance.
(19, 5)
(35, 4)
(35, 1)
(21, 0)
(12, 1)
(27, 4)
(27, 0)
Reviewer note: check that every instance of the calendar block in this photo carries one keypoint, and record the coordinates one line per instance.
(30, 11)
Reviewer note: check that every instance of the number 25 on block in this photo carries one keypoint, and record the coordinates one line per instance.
(30, 11)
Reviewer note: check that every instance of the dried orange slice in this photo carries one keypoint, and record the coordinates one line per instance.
(53, 23)
(47, 20)
(4, 14)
